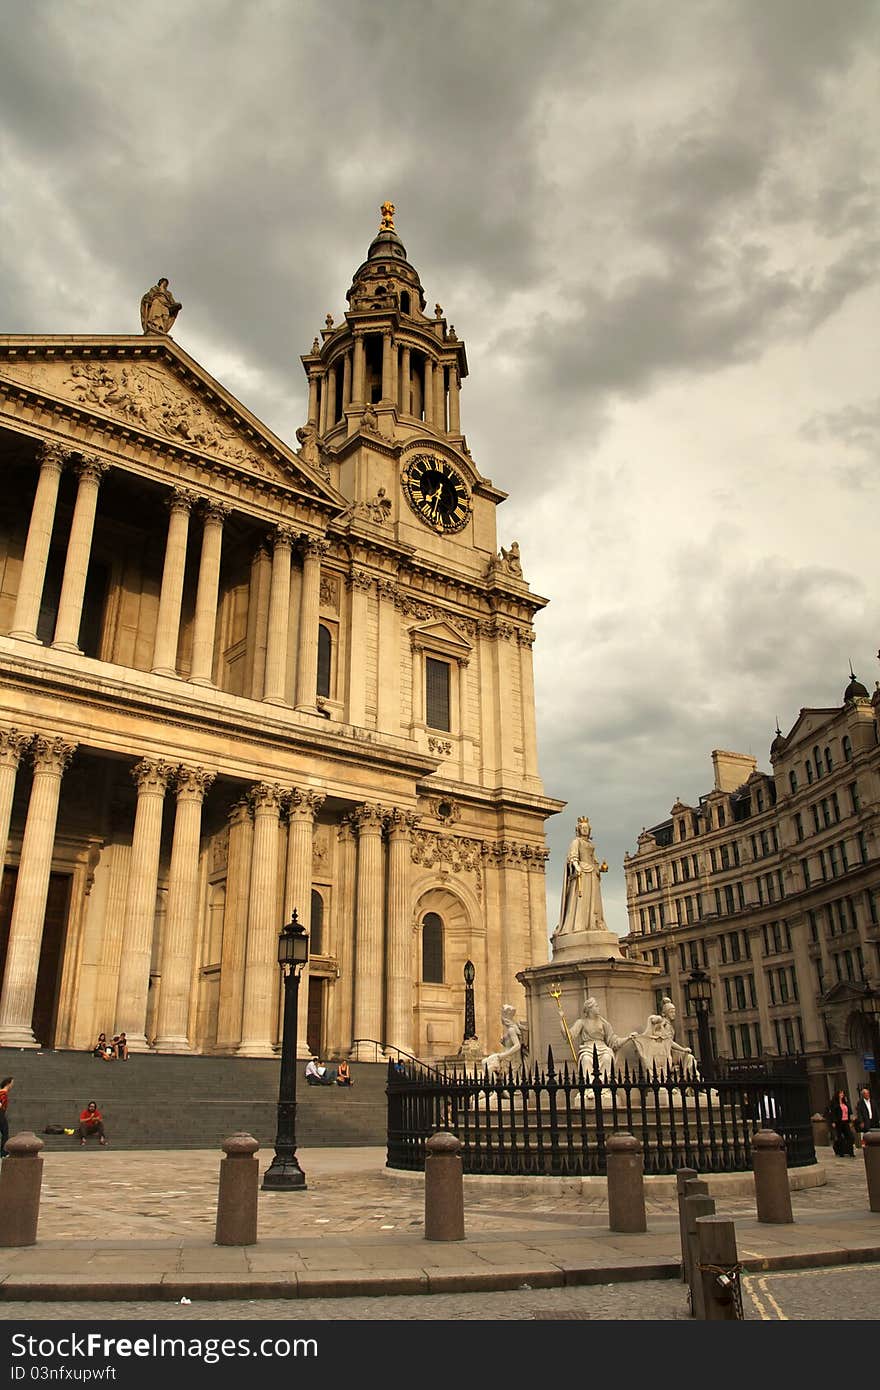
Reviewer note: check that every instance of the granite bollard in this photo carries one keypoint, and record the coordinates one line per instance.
(871, 1154)
(21, 1178)
(237, 1196)
(626, 1184)
(444, 1188)
(772, 1191)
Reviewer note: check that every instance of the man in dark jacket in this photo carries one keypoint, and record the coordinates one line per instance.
(866, 1112)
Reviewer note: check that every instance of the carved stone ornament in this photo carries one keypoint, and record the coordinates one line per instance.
(360, 579)
(310, 450)
(152, 775)
(220, 850)
(329, 596)
(159, 308)
(370, 816)
(441, 746)
(401, 823)
(320, 849)
(448, 853)
(445, 809)
(51, 755)
(304, 805)
(13, 744)
(377, 510)
(193, 783)
(265, 796)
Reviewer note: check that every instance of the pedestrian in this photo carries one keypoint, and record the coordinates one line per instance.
(866, 1114)
(91, 1122)
(5, 1087)
(840, 1113)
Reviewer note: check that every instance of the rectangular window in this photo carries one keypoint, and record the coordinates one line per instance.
(863, 846)
(682, 958)
(745, 1040)
(437, 694)
(727, 996)
(734, 946)
(799, 826)
(728, 898)
(732, 1031)
(662, 911)
(814, 926)
(854, 797)
(652, 917)
(805, 866)
(642, 919)
(713, 859)
(771, 980)
(815, 811)
(722, 941)
(753, 998)
(735, 848)
(835, 805)
(739, 986)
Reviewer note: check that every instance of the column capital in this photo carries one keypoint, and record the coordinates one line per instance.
(152, 775)
(192, 783)
(13, 744)
(304, 805)
(180, 499)
(54, 455)
(345, 831)
(370, 817)
(91, 468)
(359, 579)
(215, 512)
(315, 547)
(240, 811)
(51, 754)
(266, 797)
(282, 536)
(401, 824)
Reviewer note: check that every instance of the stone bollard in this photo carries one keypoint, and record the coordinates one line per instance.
(237, 1194)
(871, 1153)
(717, 1269)
(682, 1177)
(696, 1205)
(772, 1191)
(821, 1132)
(694, 1187)
(21, 1177)
(626, 1184)
(444, 1188)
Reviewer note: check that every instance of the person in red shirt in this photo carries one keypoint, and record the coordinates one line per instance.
(91, 1121)
(5, 1087)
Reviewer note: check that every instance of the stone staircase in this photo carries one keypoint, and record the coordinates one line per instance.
(172, 1102)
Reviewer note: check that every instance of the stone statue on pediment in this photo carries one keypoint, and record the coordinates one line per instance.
(159, 309)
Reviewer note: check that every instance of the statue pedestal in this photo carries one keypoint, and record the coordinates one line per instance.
(623, 989)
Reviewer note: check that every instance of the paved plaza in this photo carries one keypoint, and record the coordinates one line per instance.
(130, 1234)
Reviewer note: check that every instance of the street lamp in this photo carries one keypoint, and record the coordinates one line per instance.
(284, 1173)
(470, 1022)
(699, 993)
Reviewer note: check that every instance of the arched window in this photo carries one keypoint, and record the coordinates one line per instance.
(432, 948)
(817, 761)
(792, 780)
(828, 763)
(847, 748)
(325, 652)
(404, 301)
(316, 925)
(809, 770)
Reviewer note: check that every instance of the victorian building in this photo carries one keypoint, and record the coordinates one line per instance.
(771, 883)
(239, 679)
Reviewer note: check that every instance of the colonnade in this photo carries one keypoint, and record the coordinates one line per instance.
(373, 883)
(434, 392)
(181, 504)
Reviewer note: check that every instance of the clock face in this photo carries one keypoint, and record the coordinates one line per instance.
(437, 493)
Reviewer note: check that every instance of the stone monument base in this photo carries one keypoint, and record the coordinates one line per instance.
(624, 990)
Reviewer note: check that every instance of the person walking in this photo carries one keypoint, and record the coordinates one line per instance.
(91, 1122)
(840, 1112)
(866, 1114)
(5, 1087)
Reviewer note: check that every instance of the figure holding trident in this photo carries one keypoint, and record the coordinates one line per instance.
(555, 992)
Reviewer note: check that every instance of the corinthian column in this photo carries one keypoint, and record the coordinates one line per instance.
(205, 624)
(388, 384)
(343, 994)
(180, 922)
(279, 617)
(36, 550)
(79, 548)
(151, 778)
(454, 401)
(429, 392)
(168, 620)
(357, 388)
(368, 951)
(398, 951)
(309, 610)
(302, 808)
(261, 956)
(12, 745)
(50, 757)
(406, 381)
(235, 922)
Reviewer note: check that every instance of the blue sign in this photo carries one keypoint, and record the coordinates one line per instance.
(869, 1062)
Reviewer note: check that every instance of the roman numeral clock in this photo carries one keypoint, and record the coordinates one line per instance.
(437, 493)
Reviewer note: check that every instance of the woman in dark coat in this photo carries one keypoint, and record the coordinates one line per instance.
(840, 1113)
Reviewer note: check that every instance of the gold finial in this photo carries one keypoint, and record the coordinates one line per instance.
(387, 211)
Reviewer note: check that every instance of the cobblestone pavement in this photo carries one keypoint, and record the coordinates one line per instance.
(99, 1194)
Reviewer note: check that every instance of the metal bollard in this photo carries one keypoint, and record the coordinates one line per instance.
(682, 1177)
(444, 1188)
(694, 1187)
(718, 1269)
(871, 1153)
(772, 1192)
(21, 1177)
(626, 1184)
(237, 1194)
(696, 1205)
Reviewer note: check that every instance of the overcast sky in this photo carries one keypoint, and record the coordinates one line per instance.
(654, 225)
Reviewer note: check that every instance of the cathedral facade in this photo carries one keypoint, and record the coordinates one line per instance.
(240, 678)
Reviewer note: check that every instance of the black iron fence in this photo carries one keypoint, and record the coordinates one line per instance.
(555, 1122)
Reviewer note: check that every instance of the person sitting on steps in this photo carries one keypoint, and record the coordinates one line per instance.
(316, 1074)
(103, 1049)
(91, 1122)
(343, 1074)
(120, 1047)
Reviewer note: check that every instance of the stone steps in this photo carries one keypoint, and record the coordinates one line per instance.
(185, 1102)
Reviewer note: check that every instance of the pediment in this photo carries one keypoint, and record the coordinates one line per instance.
(160, 393)
(808, 724)
(442, 637)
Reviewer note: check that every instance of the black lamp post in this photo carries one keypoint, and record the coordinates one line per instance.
(470, 1023)
(871, 1010)
(284, 1173)
(699, 993)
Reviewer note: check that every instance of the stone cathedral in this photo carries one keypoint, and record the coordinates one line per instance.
(240, 678)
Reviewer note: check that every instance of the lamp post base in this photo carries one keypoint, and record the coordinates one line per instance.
(284, 1175)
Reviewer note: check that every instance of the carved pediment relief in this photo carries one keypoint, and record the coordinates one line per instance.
(810, 723)
(147, 396)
